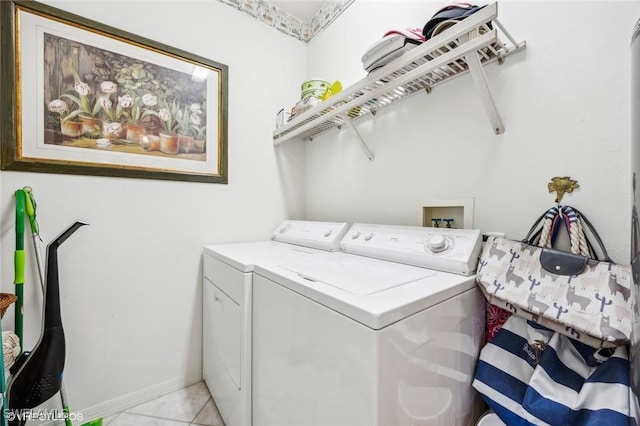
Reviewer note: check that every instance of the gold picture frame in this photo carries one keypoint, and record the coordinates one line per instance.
(81, 97)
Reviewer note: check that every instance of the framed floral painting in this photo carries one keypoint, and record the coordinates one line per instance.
(80, 97)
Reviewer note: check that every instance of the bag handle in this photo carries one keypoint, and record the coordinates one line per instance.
(604, 255)
(545, 229)
(571, 220)
(535, 232)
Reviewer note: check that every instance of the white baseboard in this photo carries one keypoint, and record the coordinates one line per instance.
(132, 399)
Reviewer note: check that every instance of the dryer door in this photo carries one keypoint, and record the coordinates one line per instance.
(222, 330)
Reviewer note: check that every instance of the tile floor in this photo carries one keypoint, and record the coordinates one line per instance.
(192, 405)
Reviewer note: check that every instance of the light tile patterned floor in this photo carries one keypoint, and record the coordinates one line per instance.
(192, 405)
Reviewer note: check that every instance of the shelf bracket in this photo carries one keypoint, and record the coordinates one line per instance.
(363, 144)
(480, 80)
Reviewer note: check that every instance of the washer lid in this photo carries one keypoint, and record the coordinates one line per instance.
(374, 292)
(244, 256)
(357, 275)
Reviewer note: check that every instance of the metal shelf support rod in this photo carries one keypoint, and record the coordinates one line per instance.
(480, 80)
(506, 34)
(363, 144)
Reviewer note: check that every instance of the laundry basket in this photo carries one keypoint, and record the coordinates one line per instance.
(6, 299)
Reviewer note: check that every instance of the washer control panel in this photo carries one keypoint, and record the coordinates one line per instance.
(443, 249)
(321, 235)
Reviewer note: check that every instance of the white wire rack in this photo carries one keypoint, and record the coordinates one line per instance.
(465, 47)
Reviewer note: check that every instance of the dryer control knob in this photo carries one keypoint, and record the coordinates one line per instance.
(368, 236)
(328, 232)
(355, 235)
(437, 243)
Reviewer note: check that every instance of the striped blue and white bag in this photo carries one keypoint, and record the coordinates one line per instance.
(530, 375)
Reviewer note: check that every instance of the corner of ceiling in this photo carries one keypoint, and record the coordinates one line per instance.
(290, 24)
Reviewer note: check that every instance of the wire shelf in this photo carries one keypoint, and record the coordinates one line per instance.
(434, 62)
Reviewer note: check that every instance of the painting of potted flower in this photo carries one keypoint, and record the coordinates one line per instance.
(137, 115)
(197, 114)
(114, 111)
(191, 128)
(87, 107)
(68, 127)
(183, 118)
(168, 118)
(200, 140)
(186, 130)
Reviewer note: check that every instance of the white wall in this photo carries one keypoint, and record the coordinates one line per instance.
(130, 282)
(564, 102)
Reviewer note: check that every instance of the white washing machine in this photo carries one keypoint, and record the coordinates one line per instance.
(227, 289)
(370, 336)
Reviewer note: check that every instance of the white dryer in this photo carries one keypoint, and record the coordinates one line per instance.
(376, 338)
(227, 294)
